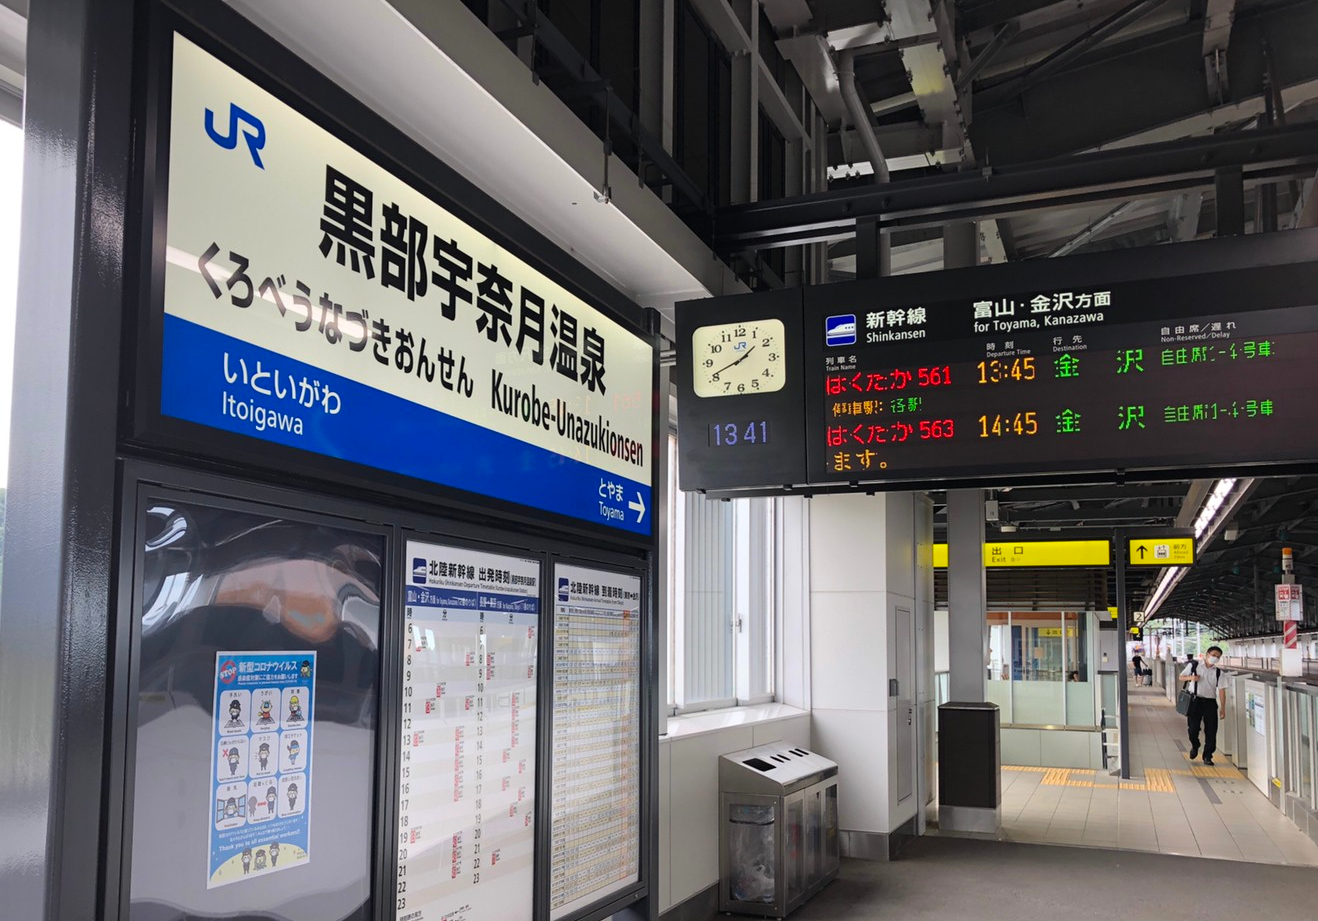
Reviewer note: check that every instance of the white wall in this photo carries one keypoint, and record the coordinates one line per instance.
(688, 791)
(862, 568)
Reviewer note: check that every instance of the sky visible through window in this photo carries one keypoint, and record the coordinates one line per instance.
(11, 185)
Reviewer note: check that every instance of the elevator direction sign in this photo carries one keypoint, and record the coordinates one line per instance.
(1161, 551)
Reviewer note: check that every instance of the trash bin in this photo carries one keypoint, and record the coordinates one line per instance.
(778, 834)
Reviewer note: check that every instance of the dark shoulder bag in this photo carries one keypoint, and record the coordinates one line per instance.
(1184, 698)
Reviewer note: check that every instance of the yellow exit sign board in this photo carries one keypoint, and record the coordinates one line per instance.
(1161, 551)
(1038, 553)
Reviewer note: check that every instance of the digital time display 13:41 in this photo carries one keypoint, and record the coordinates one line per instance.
(737, 434)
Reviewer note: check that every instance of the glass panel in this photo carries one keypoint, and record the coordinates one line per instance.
(1080, 688)
(1306, 734)
(751, 848)
(258, 688)
(1036, 667)
(709, 646)
(998, 665)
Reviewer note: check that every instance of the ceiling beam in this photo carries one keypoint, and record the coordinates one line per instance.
(1063, 515)
(978, 194)
(1001, 38)
(1174, 490)
(1067, 54)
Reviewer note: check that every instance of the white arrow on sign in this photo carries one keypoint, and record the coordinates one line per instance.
(638, 507)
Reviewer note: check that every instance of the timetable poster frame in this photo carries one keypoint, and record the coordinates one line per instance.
(612, 895)
(451, 592)
(600, 446)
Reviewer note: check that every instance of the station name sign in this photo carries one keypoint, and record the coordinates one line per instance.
(315, 299)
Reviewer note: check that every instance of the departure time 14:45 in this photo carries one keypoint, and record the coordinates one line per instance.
(1004, 424)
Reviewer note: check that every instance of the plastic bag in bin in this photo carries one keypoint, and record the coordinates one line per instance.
(751, 854)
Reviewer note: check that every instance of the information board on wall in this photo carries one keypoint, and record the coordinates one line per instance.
(261, 754)
(315, 300)
(1168, 373)
(466, 786)
(596, 791)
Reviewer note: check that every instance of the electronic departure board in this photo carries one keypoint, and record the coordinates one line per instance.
(981, 373)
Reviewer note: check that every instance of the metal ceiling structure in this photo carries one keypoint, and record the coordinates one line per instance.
(981, 88)
(1067, 126)
(1060, 126)
(1230, 587)
(13, 59)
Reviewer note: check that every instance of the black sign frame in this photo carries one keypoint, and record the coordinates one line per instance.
(249, 51)
(782, 461)
(1266, 271)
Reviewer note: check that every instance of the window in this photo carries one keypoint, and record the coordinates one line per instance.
(722, 601)
(773, 182)
(606, 33)
(703, 108)
(1039, 669)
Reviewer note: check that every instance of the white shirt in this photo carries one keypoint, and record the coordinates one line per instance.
(1208, 678)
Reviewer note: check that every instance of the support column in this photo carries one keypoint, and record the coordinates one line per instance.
(1230, 189)
(960, 245)
(56, 632)
(873, 251)
(967, 596)
(870, 608)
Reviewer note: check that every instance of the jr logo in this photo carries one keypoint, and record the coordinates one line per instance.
(254, 133)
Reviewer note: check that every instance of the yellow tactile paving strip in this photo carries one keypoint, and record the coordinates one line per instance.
(1155, 780)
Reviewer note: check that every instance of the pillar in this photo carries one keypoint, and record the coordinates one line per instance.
(871, 618)
(967, 596)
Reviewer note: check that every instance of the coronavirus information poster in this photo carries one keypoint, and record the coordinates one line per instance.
(260, 764)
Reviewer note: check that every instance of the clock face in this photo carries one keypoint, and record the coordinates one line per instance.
(738, 359)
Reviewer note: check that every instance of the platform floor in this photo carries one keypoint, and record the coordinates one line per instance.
(955, 878)
(1170, 806)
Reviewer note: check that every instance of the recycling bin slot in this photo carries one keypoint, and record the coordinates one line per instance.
(778, 836)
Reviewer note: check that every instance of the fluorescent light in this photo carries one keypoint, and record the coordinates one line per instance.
(1212, 505)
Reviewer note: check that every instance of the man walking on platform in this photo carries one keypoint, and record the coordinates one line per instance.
(1208, 703)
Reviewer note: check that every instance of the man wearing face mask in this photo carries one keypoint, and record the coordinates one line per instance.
(1208, 704)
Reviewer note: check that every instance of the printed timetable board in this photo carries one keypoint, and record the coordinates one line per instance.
(313, 299)
(596, 788)
(467, 765)
(1173, 373)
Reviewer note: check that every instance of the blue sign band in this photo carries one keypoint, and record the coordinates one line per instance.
(476, 601)
(377, 429)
